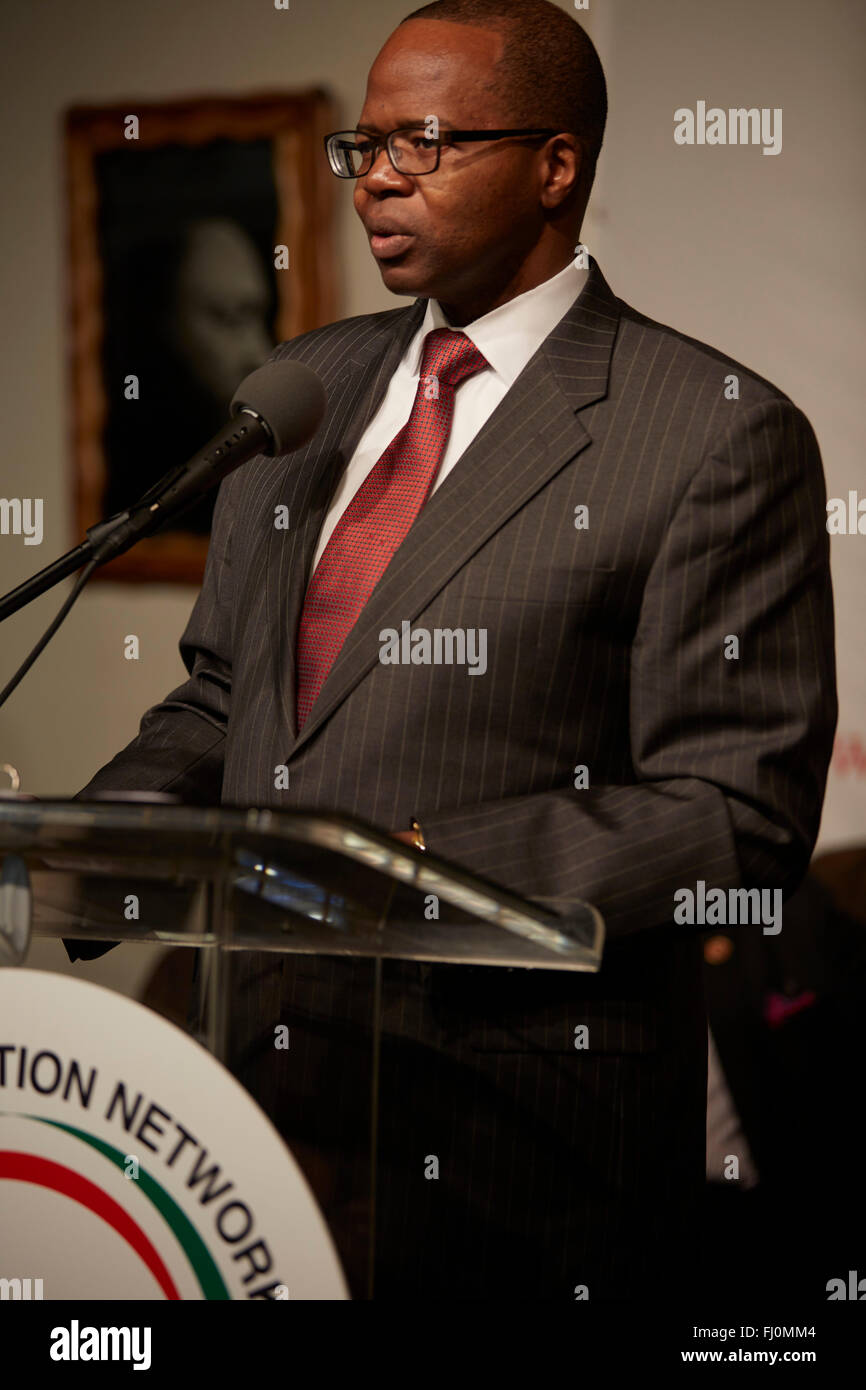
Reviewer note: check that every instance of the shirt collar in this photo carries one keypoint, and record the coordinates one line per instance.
(510, 335)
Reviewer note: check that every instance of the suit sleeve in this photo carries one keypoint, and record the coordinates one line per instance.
(732, 705)
(180, 744)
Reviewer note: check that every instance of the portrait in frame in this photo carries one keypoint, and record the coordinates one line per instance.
(199, 235)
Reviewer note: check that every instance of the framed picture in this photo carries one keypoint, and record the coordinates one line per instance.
(199, 235)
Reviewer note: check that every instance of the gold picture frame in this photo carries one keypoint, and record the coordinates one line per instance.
(191, 173)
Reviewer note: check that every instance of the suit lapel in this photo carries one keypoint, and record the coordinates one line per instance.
(531, 435)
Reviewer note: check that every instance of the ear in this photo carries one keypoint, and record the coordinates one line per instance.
(563, 169)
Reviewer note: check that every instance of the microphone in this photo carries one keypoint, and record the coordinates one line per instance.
(275, 410)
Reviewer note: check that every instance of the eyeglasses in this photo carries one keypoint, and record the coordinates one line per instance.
(352, 153)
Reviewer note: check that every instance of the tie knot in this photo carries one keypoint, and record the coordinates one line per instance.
(450, 357)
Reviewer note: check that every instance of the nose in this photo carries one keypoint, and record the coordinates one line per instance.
(382, 176)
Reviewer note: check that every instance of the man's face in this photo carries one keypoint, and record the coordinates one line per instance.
(465, 229)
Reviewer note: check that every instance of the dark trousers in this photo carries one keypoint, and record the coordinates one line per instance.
(508, 1164)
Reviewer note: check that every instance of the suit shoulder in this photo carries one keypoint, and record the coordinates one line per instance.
(697, 362)
(321, 347)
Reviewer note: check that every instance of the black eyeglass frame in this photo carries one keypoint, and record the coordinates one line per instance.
(445, 137)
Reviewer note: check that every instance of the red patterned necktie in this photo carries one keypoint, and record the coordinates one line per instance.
(379, 515)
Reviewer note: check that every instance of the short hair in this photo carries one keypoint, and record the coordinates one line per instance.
(550, 73)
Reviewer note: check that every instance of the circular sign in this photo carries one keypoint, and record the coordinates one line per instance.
(134, 1166)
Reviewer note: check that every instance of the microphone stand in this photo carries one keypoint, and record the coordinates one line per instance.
(105, 540)
(167, 498)
(45, 579)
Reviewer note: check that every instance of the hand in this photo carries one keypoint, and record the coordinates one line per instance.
(407, 835)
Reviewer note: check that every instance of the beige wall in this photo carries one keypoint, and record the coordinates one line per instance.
(758, 255)
(82, 700)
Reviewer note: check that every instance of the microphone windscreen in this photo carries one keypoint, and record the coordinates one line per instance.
(290, 399)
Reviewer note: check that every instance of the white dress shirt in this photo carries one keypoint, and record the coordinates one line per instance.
(725, 1134)
(507, 337)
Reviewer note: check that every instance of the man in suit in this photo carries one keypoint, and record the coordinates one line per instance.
(517, 453)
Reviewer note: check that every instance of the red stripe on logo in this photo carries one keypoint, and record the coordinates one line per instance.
(44, 1172)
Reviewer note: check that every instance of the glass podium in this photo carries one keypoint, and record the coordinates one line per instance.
(300, 946)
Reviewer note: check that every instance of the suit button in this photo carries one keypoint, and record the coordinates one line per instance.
(718, 949)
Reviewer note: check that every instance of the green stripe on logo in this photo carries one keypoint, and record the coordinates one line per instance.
(209, 1278)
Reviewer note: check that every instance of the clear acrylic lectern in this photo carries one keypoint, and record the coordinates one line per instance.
(250, 894)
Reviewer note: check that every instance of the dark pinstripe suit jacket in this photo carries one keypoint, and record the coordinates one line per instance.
(606, 645)
(607, 650)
